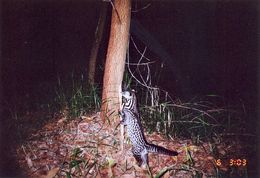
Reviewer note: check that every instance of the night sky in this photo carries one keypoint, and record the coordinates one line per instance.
(213, 44)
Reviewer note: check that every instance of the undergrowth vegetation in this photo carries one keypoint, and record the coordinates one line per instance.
(199, 119)
(76, 97)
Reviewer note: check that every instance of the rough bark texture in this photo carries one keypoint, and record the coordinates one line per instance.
(96, 44)
(115, 60)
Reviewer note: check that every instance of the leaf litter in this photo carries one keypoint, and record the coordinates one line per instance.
(86, 148)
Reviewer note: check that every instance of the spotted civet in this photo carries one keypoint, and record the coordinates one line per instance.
(131, 119)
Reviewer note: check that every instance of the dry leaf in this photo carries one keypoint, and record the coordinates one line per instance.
(132, 175)
(29, 162)
(222, 152)
(210, 158)
(63, 119)
(51, 173)
(86, 118)
(194, 148)
(167, 175)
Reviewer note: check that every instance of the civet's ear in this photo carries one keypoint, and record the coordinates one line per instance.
(133, 90)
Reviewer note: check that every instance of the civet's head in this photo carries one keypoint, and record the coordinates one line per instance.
(128, 95)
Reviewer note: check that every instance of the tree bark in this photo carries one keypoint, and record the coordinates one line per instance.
(115, 61)
(96, 44)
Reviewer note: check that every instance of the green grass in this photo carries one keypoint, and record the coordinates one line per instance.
(197, 119)
(77, 96)
(78, 166)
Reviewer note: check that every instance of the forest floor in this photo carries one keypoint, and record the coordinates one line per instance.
(86, 148)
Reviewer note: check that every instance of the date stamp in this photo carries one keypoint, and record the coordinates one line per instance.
(232, 162)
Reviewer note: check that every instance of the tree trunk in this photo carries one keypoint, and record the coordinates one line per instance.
(115, 61)
(96, 44)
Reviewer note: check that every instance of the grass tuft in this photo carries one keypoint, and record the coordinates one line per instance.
(77, 97)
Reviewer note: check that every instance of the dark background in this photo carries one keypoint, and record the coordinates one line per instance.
(213, 44)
